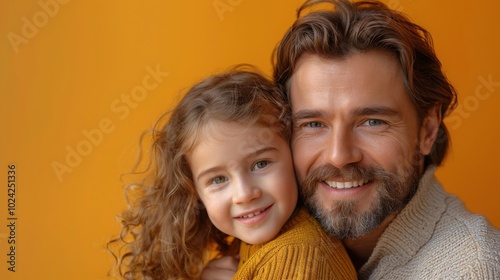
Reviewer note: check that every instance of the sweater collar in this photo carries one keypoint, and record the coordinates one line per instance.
(410, 230)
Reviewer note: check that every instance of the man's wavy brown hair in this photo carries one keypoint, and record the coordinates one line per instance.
(166, 232)
(354, 27)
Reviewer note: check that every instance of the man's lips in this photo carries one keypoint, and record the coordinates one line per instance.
(346, 184)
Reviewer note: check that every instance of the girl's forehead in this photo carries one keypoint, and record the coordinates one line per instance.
(219, 129)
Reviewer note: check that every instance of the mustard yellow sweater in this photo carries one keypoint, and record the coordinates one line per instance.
(302, 250)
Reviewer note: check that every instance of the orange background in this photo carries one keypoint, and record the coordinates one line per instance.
(68, 67)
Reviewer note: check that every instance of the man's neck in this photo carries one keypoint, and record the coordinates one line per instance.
(360, 249)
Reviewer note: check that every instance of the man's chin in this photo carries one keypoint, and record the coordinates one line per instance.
(355, 218)
(345, 219)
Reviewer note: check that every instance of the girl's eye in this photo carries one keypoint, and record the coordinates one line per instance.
(218, 180)
(260, 164)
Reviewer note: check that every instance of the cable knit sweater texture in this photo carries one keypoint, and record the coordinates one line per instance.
(302, 250)
(435, 237)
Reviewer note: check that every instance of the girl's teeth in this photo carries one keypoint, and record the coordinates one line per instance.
(253, 214)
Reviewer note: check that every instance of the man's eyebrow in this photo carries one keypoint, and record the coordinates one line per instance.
(363, 111)
(307, 114)
(378, 110)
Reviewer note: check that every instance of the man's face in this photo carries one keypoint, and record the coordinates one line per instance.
(357, 144)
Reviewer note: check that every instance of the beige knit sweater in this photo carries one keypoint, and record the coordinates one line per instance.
(435, 237)
(301, 251)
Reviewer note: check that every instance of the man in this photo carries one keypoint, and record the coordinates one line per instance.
(368, 98)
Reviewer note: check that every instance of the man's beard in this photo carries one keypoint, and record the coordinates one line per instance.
(342, 218)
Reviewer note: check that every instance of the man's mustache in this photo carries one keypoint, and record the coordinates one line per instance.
(352, 172)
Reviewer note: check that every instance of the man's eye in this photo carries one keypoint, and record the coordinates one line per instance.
(313, 124)
(374, 122)
(218, 180)
(260, 164)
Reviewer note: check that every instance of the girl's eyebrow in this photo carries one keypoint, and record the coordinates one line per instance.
(220, 168)
(263, 150)
(208, 171)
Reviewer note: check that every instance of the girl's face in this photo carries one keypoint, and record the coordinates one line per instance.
(244, 176)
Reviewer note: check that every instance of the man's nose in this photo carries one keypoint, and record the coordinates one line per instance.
(342, 147)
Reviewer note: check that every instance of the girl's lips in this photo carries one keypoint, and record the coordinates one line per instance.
(254, 216)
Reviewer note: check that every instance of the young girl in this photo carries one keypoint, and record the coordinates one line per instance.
(221, 172)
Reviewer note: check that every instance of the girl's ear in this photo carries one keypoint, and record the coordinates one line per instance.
(429, 130)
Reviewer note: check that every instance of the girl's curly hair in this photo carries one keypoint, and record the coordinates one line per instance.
(166, 232)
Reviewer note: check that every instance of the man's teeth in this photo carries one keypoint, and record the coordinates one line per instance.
(345, 185)
(253, 214)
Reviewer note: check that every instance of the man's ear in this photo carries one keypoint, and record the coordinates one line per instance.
(429, 130)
